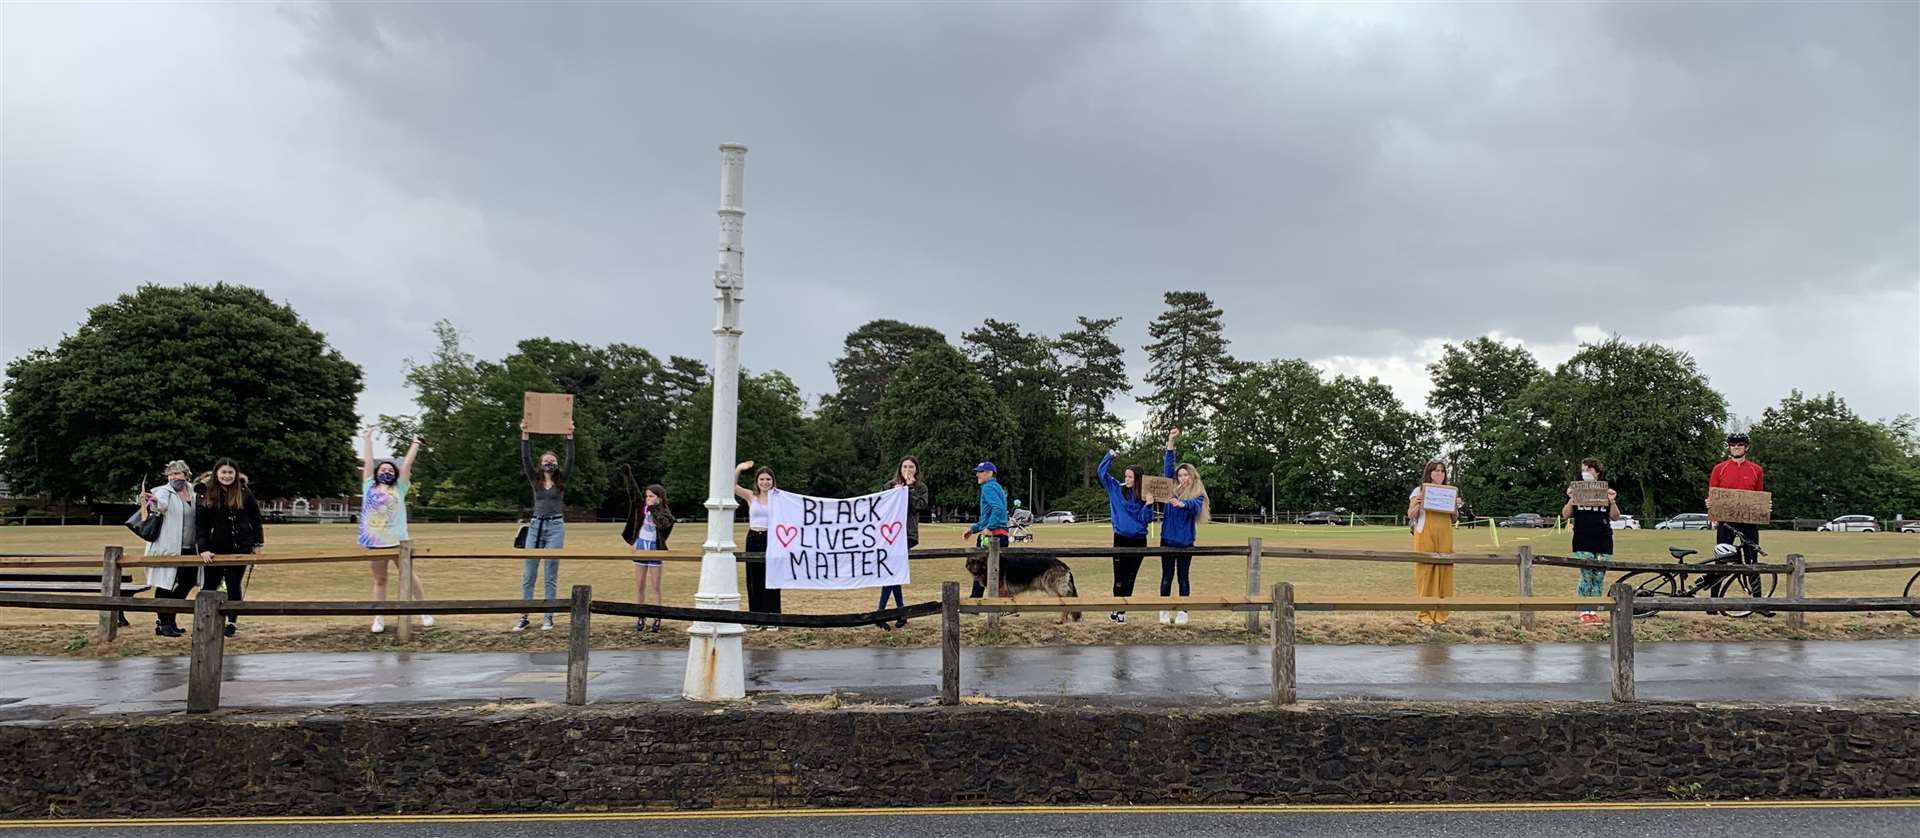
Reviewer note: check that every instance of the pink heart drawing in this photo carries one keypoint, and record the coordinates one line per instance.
(786, 534)
(890, 531)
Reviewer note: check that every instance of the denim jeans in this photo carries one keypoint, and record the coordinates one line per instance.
(543, 534)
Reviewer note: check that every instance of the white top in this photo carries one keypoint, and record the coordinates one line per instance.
(756, 513)
(1420, 515)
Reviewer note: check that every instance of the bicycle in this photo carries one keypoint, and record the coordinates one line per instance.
(1652, 584)
(1912, 589)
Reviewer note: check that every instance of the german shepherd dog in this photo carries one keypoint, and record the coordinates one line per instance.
(1024, 574)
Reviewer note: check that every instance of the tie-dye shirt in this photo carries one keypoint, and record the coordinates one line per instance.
(383, 515)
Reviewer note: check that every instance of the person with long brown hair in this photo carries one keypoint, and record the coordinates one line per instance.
(384, 485)
(647, 530)
(227, 523)
(1432, 533)
(1592, 536)
(907, 474)
(547, 527)
(760, 598)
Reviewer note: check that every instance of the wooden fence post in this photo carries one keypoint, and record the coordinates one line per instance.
(1622, 629)
(209, 650)
(1797, 589)
(1253, 580)
(1526, 582)
(578, 643)
(950, 643)
(404, 630)
(993, 577)
(109, 586)
(1284, 682)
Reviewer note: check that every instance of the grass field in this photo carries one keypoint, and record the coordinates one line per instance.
(66, 632)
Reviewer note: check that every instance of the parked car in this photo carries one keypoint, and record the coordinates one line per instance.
(1526, 520)
(1321, 518)
(1851, 523)
(1910, 526)
(1057, 518)
(1684, 521)
(1625, 522)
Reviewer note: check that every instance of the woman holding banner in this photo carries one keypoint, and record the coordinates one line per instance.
(1433, 533)
(1130, 519)
(547, 528)
(906, 474)
(647, 530)
(1187, 508)
(760, 598)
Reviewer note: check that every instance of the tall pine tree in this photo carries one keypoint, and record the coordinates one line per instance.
(1188, 364)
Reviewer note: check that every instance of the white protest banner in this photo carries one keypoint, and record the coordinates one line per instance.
(837, 543)
(1438, 498)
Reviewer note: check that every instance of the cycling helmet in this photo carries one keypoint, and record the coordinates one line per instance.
(1737, 439)
(1723, 551)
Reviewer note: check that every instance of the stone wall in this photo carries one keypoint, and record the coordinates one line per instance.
(544, 758)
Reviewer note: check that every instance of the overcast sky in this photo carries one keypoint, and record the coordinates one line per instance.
(1355, 184)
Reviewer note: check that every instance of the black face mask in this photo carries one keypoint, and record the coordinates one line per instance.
(549, 467)
(386, 478)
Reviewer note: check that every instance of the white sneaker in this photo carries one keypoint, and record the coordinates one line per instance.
(522, 625)
(1179, 618)
(1166, 617)
(1117, 616)
(426, 621)
(547, 624)
(379, 625)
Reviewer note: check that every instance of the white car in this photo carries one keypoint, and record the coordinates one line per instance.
(1851, 523)
(1057, 518)
(1625, 522)
(1910, 526)
(1684, 521)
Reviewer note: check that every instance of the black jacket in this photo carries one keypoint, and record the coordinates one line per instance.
(225, 530)
(662, 525)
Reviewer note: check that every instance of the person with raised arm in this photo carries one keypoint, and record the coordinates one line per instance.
(760, 598)
(1130, 518)
(547, 528)
(383, 517)
(1187, 509)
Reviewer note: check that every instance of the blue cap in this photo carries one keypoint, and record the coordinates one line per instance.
(986, 466)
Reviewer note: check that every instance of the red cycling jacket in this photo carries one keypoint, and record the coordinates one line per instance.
(1738, 474)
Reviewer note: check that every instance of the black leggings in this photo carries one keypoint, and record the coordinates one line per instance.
(760, 598)
(1126, 568)
(1171, 565)
(228, 577)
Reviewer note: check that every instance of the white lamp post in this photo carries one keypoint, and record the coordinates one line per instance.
(715, 671)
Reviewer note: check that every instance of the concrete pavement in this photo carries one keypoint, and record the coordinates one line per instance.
(1798, 671)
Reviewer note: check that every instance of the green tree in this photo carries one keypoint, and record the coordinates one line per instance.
(1093, 370)
(771, 432)
(1823, 460)
(1378, 445)
(941, 410)
(1645, 411)
(1276, 438)
(193, 372)
(1026, 377)
(1474, 381)
(872, 360)
(1188, 362)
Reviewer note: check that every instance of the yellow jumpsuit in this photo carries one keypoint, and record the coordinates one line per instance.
(1434, 535)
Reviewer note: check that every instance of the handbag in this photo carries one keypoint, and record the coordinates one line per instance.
(520, 538)
(146, 526)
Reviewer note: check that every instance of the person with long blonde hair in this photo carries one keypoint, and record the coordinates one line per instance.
(1187, 509)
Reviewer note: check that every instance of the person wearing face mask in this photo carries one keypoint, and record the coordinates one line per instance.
(383, 517)
(547, 529)
(760, 598)
(174, 501)
(1130, 519)
(227, 523)
(1592, 535)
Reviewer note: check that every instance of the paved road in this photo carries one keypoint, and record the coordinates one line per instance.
(1724, 671)
(1694, 821)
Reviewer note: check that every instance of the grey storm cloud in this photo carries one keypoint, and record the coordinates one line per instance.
(1355, 183)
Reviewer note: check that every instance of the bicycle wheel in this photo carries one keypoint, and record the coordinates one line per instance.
(1650, 584)
(1913, 587)
(1751, 585)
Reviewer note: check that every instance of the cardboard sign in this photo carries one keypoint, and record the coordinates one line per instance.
(1160, 488)
(837, 543)
(548, 413)
(1438, 498)
(1738, 506)
(1591, 494)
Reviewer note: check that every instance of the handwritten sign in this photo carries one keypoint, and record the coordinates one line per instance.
(547, 413)
(1160, 488)
(1589, 494)
(837, 543)
(1438, 498)
(1739, 506)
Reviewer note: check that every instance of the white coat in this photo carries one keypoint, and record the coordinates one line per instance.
(176, 523)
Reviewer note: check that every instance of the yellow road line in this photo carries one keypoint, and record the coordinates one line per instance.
(936, 811)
